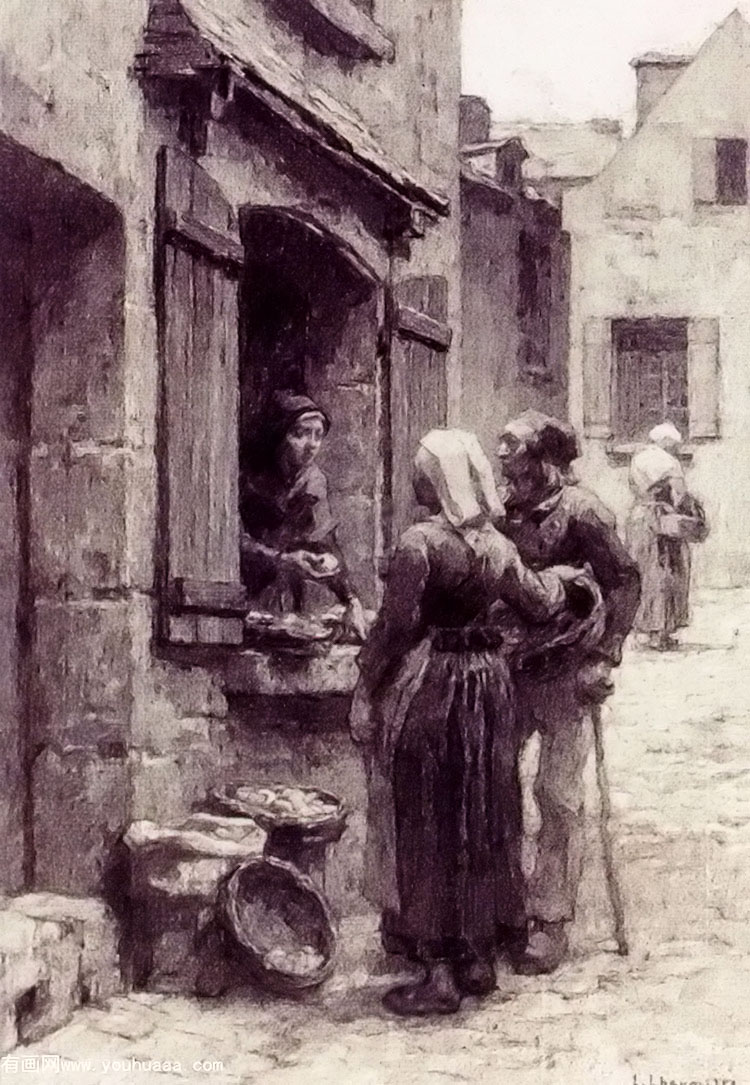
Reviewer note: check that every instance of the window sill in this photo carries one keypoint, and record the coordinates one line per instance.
(715, 209)
(338, 26)
(266, 673)
(620, 453)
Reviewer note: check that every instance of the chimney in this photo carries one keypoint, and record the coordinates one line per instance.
(655, 72)
(474, 120)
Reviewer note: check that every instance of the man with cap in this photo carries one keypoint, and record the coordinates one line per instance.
(552, 520)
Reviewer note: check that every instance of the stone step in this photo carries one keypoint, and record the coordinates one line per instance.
(56, 953)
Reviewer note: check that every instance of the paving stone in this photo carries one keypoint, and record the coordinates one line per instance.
(674, 1007)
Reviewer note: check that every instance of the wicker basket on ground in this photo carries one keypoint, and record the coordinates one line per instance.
(281, 923)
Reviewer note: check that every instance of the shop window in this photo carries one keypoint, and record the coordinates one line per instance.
(309, 323)
(268, 302)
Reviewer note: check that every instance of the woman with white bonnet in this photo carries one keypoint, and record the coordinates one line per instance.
(663, 522)
(434, 710)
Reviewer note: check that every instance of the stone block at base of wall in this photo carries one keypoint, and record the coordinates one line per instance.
(56, 953)
(82, 800)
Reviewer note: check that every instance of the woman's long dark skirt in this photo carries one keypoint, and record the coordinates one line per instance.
(458, 812)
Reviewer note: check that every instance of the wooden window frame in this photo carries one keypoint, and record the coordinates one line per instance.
(599, 381)
(658, 335)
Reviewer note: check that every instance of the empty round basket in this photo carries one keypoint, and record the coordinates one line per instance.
(281, 923)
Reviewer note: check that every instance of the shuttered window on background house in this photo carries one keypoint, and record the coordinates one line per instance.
(640, 372)
(420, 341)
(200, 258)
(720, 171)
(731, 171)
(651, 377)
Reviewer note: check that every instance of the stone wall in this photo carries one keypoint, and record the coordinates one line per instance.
(496, 387)
(58, 953)
(116, 731)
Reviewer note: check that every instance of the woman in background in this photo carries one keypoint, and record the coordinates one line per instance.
(435, 709)
(663, 522)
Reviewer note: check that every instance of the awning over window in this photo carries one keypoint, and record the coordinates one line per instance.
(192, 38)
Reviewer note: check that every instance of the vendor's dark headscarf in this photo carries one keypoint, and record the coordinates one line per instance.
(284, 409)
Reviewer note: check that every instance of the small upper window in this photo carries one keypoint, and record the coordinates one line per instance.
(731, 171)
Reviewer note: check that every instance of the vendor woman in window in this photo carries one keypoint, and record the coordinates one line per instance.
(288, 532)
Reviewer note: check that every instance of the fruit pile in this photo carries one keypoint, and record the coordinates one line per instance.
(298, 962)
(296, 802)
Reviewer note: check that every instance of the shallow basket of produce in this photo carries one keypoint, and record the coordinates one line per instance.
(281, 924)
(318, 814)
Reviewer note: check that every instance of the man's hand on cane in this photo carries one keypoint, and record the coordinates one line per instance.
(594, 681)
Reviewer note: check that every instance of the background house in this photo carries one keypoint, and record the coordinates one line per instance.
(660, 326)
(514, 283)
(176, 178)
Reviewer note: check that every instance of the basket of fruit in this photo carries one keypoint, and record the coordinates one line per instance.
(318, 814)
(281, 924)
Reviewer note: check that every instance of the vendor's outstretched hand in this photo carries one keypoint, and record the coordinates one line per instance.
(312, 566)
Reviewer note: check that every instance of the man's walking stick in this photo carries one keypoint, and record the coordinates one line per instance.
(610, 873)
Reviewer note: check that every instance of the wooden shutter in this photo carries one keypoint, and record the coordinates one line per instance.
(597, 378)
(704, 171)
(419, 400)
(200, 260)
(704, 377)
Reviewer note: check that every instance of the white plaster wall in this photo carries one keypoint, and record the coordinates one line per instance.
(642, 248)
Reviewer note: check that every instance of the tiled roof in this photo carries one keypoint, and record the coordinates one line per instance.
(180, 32)
(563, 151)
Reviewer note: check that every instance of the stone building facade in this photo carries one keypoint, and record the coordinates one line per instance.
(174, 174)
(515, 274)
(660, 280)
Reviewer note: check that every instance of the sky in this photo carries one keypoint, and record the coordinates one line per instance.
(553, 60)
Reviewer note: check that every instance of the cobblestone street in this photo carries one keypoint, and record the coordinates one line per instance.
(674, 1009)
